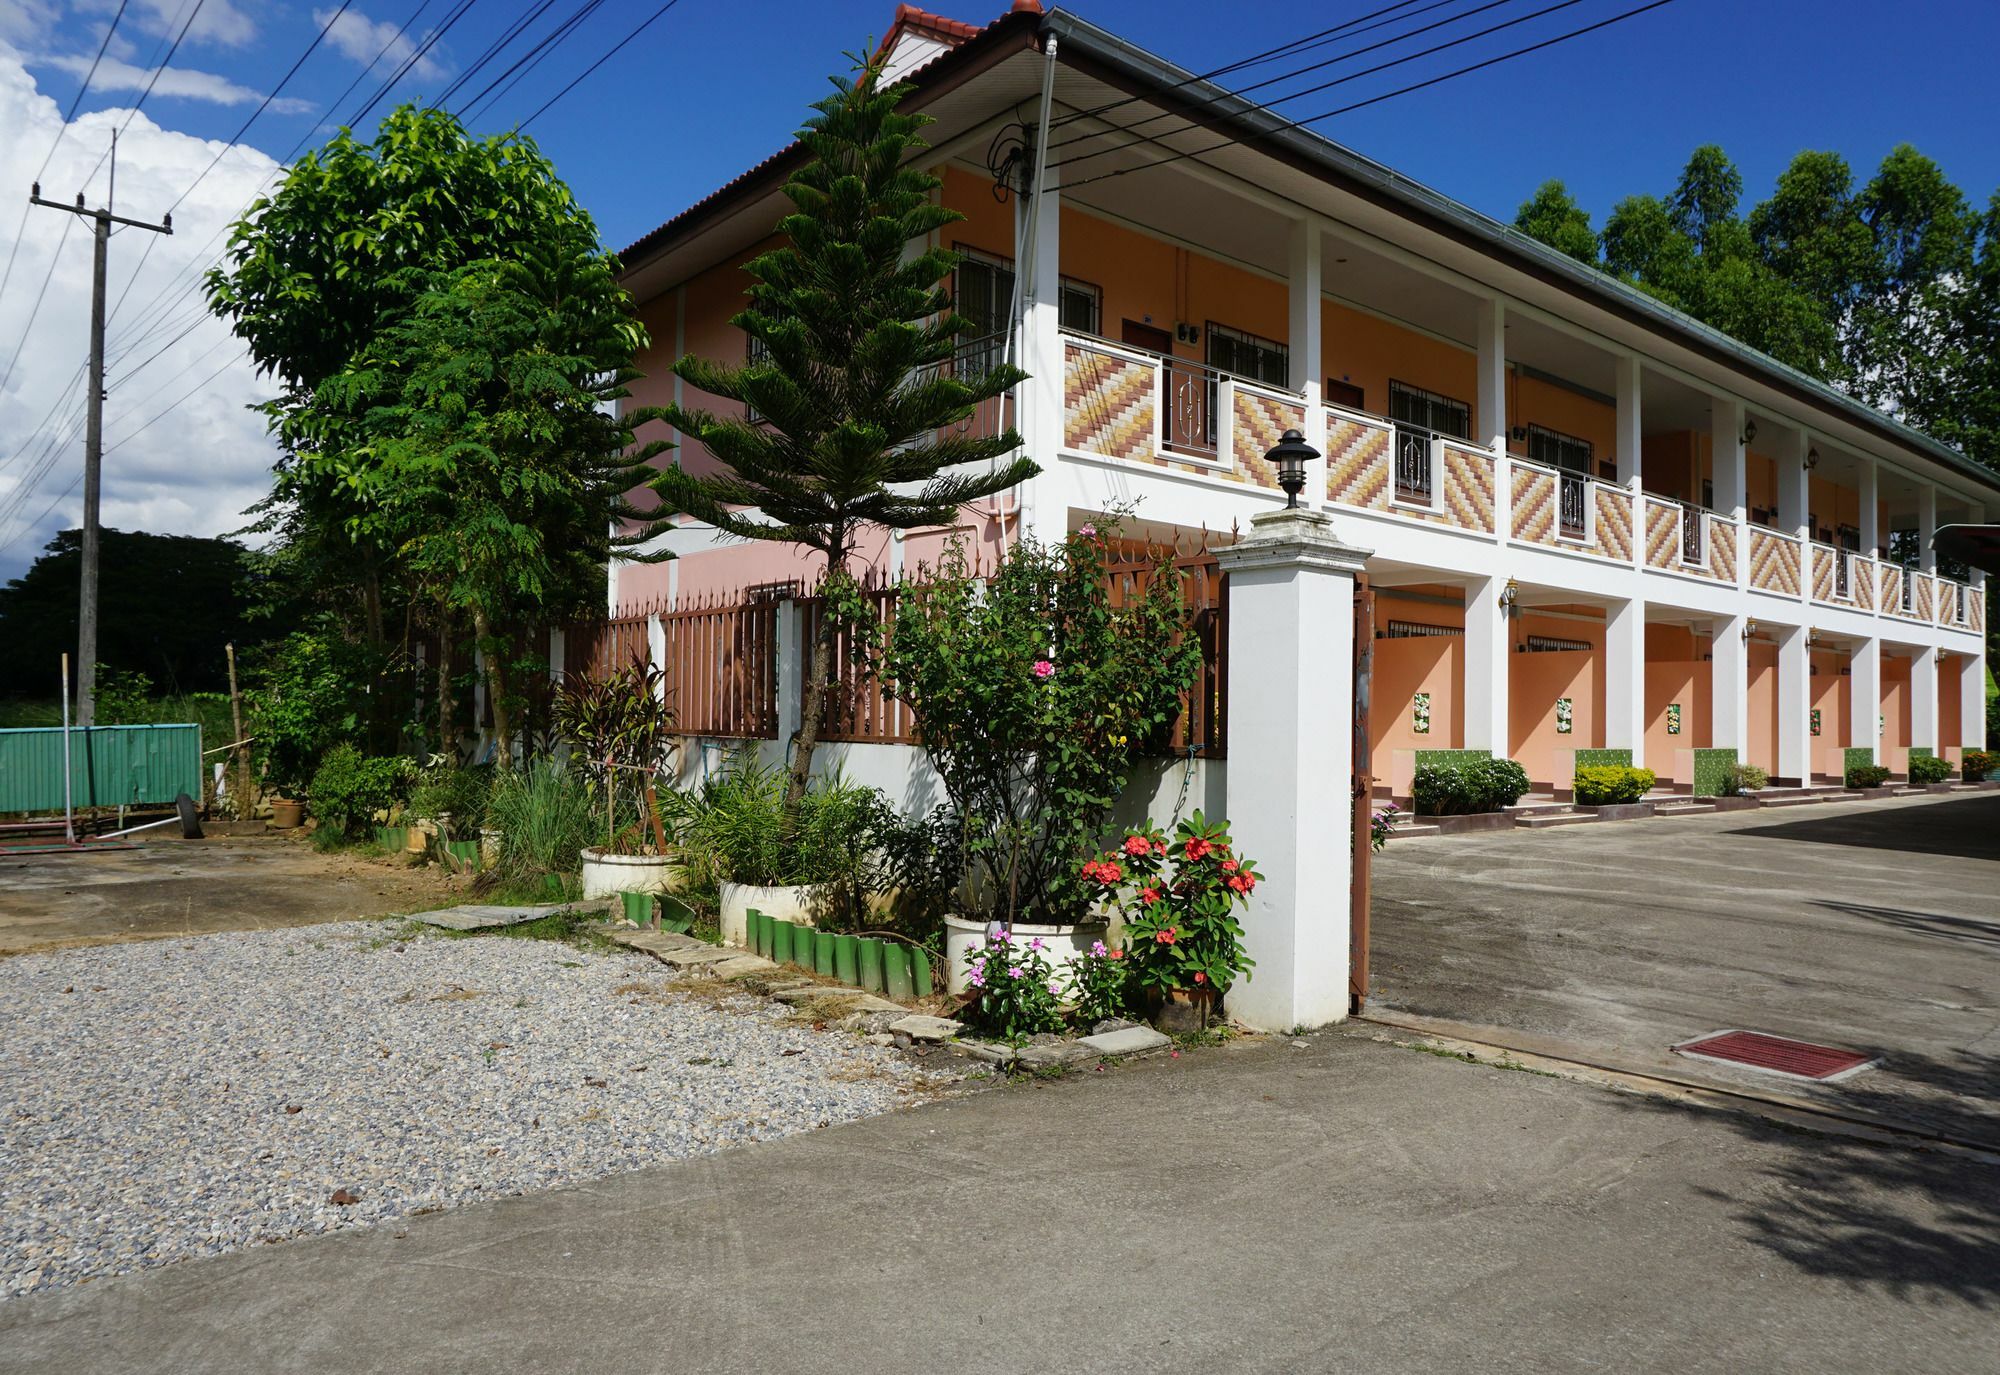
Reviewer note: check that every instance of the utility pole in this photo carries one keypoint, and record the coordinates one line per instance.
(93, 434)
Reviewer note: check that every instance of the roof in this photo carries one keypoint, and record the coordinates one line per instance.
(1257, 128)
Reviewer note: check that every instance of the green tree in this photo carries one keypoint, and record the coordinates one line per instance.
(859, 398)
(491, 458)
(1552, 216)
(316, 269)
(1923, 241)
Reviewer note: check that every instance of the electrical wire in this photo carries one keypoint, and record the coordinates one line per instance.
(530, 60)
(615, 49)
(493, 50)
(1389, 95)
(69, 223)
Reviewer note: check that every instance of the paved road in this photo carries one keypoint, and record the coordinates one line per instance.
(1874, 925)
(1348, 1206)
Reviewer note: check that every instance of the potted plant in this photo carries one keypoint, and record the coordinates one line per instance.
(1178, 899)
(1033, 696)
(799, 869)
(621, 731)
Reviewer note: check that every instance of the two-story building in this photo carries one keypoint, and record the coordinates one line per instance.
(1594, 521)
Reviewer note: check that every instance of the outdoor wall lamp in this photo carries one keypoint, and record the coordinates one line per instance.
(1289, 456)
(1749, 431)
(1812, 459)
(1509, 595)
(1749, 629)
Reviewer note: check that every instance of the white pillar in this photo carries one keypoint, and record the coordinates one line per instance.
(1291, 759)
(1044, 509)
(1625, 679)
(1926, 526)
(1794, 492)
(1864, 697)
(1924, 699)
(1492, 341)
(1308, 371)
(1630, 439)
(1487, 667)
(1794, 752)
(1972, 701)
(1729, 684)
(1726, 461)
(1869, 518)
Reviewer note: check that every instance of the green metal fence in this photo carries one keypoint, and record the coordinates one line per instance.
(110, 766)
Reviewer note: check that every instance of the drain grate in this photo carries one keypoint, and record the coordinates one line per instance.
(1775, 1055)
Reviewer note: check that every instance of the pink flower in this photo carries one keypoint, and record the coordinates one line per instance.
(1200, 977)
(1044, 669)
(1137, 846)
(1088, 532)
(1015, 972)
(978, 980)
(1035, 944)
(1097, 949)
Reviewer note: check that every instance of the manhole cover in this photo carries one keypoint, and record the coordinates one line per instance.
(1775, 1055)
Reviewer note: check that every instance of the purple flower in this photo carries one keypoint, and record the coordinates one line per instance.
(1015, 972)
(1097, 948)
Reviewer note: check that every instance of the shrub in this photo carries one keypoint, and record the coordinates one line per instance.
(1013, 989)
(545, 821)
(733, 827)
(1744, 778)
(1976, 764)
(453, 797)
(1100, 982)
(1609, 785)
(621, 728)
(350, 787)
(1927, 768)
(312, 694)
(1179, 902)
(1459, 787)
(1033, 694)
(1867, 775)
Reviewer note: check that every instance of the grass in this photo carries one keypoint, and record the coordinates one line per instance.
(1219, 1034)
(1504, 1062)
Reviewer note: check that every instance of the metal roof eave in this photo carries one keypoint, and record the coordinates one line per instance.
(1156, 77)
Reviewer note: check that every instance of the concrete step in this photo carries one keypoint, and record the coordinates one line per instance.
(1538, 808)
(1789, 797)
(1407, 829)
(1547, 819)
(1685, 806)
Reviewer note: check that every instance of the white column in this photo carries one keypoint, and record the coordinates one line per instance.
(1487, 667)
(1291, 762)
(1729, 684)
(1869, 518)
(1972, 701)
(1864, 697)
(1926, 526)
(1726, 456)
(1044, 509)
(1794, 491)
(1630, 439)
(791, 673)
(1492, 341)
(1308, 370)
(1794, 754)
(1924, 699)
(1625, 679)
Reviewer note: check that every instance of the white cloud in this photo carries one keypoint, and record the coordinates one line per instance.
(218, 21)
(193, 471)
(182, 82)
(360, 39)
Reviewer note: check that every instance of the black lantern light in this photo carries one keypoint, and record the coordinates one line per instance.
(1290, 456)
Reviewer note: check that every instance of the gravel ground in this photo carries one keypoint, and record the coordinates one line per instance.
(188, 1097)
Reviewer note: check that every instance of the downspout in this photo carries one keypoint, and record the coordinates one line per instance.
(1026, 267)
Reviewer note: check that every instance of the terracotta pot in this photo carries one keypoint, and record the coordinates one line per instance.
(287, 815)
(1179, 1011)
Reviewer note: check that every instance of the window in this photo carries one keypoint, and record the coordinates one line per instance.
(1553, 449)
(1346, 394)
(983, 292)
(755, 351)
(1082, 307)
(1246, 355)
(1427, 410)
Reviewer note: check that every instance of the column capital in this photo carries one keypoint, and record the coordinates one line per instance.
(1294, 537)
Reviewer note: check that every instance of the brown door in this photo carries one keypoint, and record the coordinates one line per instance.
(1147, 337)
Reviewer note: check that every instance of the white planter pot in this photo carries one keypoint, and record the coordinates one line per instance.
(606, 875)
(1060, 945)
(784, 902)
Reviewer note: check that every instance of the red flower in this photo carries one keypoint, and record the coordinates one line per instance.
(1197, 847)
(1137, 846)
(1159, 847)
(1200, 977)
(1109, 871)
(1118, 954)
(1149, 895)
(1229, 866)
(1168, 936)
(1241, 883)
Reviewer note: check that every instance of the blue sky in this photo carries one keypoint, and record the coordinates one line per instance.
(716, 85)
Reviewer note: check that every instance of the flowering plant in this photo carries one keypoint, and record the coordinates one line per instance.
(1100, 981)
(1178, 898)
(1013, 989)
(1381, 824)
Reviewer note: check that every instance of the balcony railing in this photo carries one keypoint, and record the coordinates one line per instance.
(1573, 504)
(1908, 597)
(1694, 530)
(1843, 575)
(1416, 465)
(975, 358)
(1187, 421)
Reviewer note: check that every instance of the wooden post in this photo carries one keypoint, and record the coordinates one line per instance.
(245, 803)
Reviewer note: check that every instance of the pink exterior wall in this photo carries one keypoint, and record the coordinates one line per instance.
(1402, 669)
(1536, 681)
(1761, 708)
(1675, 672)
(1895, 711)
(1950, 677)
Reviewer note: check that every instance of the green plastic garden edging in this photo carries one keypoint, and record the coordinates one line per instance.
(781, 942)
(896, 971)
(823, 952)
(871, 964)
(845, 954)
(638, 907)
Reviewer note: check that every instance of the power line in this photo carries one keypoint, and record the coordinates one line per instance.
(529, 61)
(1406, 59)
(36, 309)
(416, 56)
(1322, 64)
(614, 51)
(1389, 95)
(493, 50)
(175, 404)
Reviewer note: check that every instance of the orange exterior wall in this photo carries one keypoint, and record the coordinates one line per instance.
(1895, 750)
(1368, 352)
(1950, 677)
(1675, 672)
(1761, 708)
(1535, 681)
(1403, 668)
(1153, 282)
(1535, 402)
(1829, 692)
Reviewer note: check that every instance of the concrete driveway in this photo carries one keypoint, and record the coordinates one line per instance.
(1869, 925)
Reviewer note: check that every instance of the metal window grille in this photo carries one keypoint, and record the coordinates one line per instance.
(1553, 644)
(1082, 307)
(1429, 410)
(1418, 630)
(1247, 355)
